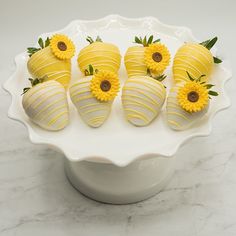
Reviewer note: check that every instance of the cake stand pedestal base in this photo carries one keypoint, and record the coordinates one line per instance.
(109, 183)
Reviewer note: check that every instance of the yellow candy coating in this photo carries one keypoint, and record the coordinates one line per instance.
(194, 58)
(44, 63)
(134, 61)
(102, 56)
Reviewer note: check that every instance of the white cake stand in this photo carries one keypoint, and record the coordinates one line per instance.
(117, 163)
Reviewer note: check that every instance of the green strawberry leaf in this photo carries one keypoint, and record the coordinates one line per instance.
(33, 83)
(25, 90)
(200, 77)
(32, 50)
(160, 77)
(190, 77)
(209, 86)
(150, 40)
(217, 60)
(47, 42)
(90, 39)
(145, 41)
(213, 93)
(90, 70)
(137, 40)
(40, 42)
(209, 43)
(98, 39)
(157, 40)
(204, 43)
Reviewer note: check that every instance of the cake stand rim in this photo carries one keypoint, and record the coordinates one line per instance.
(37, 139)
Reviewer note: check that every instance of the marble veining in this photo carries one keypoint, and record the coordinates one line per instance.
(36, 198)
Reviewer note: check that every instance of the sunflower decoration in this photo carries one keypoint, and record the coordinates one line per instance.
(62, 47)
(157, 57)
(105, 85)
(194, 95)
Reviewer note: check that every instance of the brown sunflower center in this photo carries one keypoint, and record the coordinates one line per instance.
(156, 56)
(105, 85)
(61, 46)
(193, 96)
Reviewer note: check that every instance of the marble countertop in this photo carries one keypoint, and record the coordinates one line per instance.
(35, 196)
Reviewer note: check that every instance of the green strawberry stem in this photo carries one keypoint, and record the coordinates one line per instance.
(33, 83)
(90, 71)
(90, 39)
(207, 86)
(209, 44)
(42, 44)
(160, 78)
(194, 79)
(145, 41)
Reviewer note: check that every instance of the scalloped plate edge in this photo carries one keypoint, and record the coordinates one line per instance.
(36, 139)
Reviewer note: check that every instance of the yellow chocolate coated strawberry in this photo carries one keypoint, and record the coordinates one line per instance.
(152, 57)
(102, 56)
(194, 58)
(52, 60)
(44, 64)
(134, 61)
